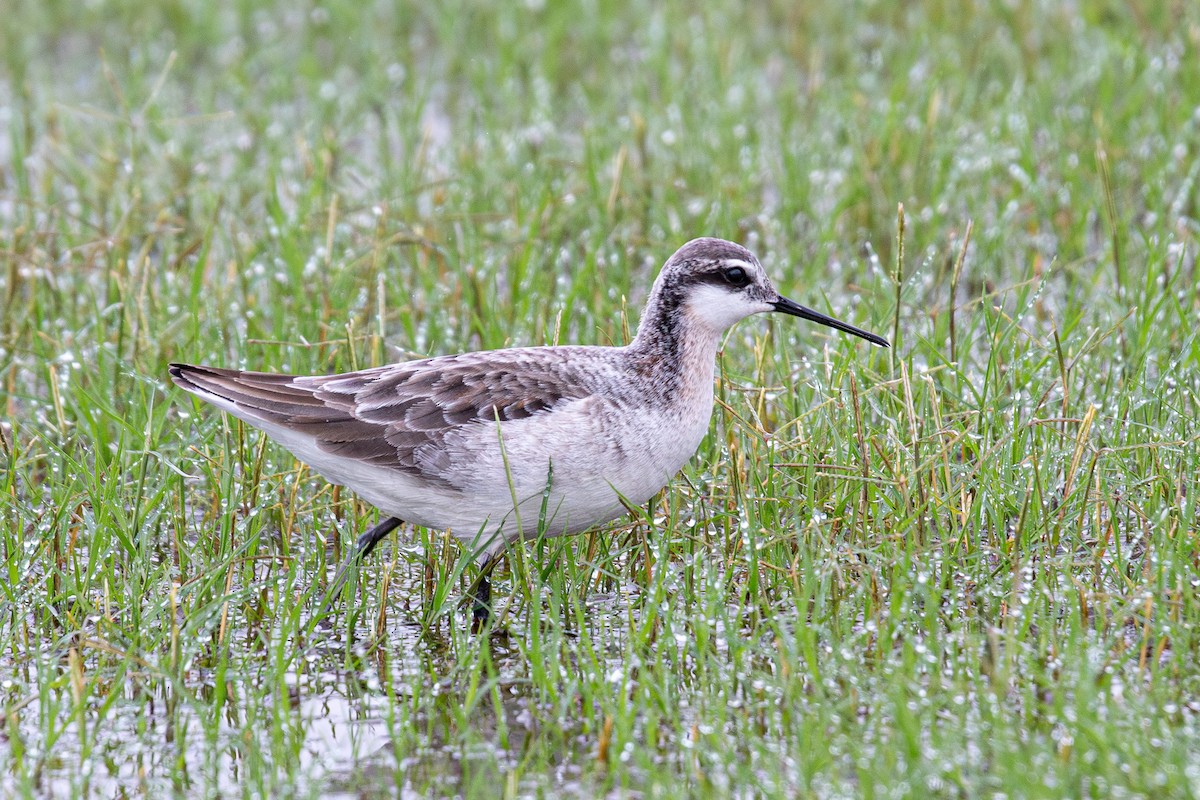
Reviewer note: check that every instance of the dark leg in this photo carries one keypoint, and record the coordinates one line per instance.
(365, 544)
(481, 612)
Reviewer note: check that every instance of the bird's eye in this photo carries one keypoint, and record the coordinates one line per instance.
(736, 276)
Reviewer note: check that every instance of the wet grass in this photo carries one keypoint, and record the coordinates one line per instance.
(967, 566)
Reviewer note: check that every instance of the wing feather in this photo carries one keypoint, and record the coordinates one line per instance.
(399, 416)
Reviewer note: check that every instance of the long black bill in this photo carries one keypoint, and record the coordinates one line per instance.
(796, 310)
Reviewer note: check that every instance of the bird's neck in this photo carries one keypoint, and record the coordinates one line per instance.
(674, 349)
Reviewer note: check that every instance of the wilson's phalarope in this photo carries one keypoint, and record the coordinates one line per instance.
(525, 441)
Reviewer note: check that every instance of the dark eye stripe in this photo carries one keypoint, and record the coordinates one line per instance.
(728, 275)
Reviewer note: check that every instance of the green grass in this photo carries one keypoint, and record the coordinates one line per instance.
(967, 566)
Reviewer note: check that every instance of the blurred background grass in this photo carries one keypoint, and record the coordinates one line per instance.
(964, 566)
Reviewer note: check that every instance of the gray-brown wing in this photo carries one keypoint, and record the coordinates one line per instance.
(388, 416)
